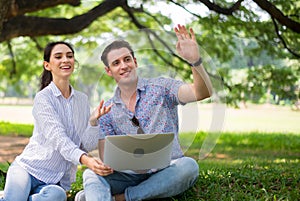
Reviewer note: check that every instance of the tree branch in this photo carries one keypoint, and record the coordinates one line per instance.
(37, 44)
(218, 9)
(178, 4)
(13, 70)
(4, 9)
(40, 26)
(20, 7)
(282, 40)
(150, 32)
(278, 15)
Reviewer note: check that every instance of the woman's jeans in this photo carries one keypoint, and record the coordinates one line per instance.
(21, 186)
(171, 181)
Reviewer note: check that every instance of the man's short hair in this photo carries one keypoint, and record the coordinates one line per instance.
(117, 44)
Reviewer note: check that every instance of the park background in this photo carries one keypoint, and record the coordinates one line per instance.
(250, 49)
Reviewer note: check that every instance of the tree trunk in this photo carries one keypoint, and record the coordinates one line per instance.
(4, 8)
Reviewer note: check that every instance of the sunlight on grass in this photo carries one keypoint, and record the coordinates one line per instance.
(283, 160)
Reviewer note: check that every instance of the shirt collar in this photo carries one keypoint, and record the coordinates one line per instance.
(141, 86)
(56, 90)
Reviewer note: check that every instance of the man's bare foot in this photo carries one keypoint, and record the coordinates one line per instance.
(120, 197)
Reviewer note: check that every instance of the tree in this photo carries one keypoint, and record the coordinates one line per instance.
(220, 24)
(16, 22)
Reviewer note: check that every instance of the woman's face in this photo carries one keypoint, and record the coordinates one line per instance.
(61, 63)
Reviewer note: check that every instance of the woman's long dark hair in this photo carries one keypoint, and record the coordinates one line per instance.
(46, 76)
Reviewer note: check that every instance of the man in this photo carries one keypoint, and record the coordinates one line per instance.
(147, 106)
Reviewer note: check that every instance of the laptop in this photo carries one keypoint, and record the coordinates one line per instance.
(138, 151)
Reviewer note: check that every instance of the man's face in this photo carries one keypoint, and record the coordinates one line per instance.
(122, 66)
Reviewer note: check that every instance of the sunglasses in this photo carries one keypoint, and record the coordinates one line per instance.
(135, 122)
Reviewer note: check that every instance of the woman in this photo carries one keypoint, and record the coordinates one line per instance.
(63, 132)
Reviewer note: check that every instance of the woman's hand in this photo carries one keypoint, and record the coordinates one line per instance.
(98, 112)
(96, 165)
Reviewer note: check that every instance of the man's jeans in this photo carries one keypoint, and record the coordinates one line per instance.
(22, 186)
(171, 181)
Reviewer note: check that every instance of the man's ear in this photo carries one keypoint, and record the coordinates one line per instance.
(47, 66)
(108, 71)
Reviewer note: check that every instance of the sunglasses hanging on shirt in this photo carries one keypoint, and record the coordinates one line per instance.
(135, 122)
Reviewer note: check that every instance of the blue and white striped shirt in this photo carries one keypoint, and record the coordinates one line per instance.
(61, 133)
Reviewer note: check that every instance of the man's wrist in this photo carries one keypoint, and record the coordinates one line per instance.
(197, 63)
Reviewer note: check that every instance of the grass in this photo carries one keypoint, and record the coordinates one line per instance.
(15, 129)
(251, 166)
(241, 166)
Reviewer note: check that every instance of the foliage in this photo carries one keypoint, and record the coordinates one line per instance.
(3, 171)
(76, 186)
(224, 30)
(281, 82)
(7, 128)
(262, 84)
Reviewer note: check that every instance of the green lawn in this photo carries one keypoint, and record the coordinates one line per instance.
(14, 129)
(248, 166)
(243, 164)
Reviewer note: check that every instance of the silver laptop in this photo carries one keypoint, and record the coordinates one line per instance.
(138, 151)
